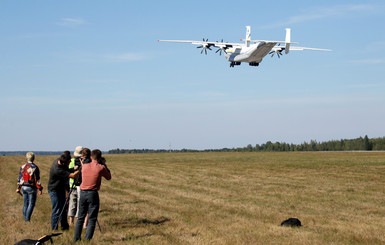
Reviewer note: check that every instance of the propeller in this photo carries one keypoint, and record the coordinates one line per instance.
(221, 48)
(278, 51)
(204, 47)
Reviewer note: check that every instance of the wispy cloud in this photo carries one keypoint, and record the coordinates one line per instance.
(79, 56)
(49, 101)
(71, 22)
(373, 61)
(374, 47)
(366, 85)
(322, 13)
(125, 57)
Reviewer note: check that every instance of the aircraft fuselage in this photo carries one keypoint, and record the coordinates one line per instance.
(252, 54)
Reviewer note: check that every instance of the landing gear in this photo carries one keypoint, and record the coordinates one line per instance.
(253, 64)
(232, 64)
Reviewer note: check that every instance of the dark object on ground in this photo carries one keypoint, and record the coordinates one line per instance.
(41, 240)
(291, 222)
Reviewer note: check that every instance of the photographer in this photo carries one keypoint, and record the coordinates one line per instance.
(92, 174)
(73, 206)
(57, 187)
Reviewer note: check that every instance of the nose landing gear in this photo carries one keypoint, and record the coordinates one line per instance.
(232, 64)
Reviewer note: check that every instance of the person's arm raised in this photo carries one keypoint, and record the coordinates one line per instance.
(74, 175)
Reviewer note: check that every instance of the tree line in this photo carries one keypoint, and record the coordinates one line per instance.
(21, 153)
(358, 144)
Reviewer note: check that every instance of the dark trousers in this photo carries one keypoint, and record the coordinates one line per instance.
(58, 200)
(88, 203)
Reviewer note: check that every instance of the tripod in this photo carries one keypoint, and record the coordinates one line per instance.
(64, 206)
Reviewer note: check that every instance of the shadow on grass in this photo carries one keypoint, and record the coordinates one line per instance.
(137, 222)
(129, 237)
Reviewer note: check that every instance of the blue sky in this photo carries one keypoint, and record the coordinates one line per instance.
(92, 73)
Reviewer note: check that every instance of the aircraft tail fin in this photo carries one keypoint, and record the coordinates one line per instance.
(287, 40)
(248, 36)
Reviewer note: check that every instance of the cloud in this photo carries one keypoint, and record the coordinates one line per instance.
(366, 85)
(374, 47)
(71, 22)
(79, 56)
(125, 57)
(49, 101)
(369, 61)
(323, 13)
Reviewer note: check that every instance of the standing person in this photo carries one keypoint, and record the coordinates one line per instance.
(57, 187)
(92, 174)
(74, 184)
(29, 184)
(86, 158)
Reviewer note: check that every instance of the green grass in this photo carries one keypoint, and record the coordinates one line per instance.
(221, 198)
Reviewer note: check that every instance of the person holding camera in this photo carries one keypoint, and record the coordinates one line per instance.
(73, 206)
(86, 158)
(57, 187)
(92, 174)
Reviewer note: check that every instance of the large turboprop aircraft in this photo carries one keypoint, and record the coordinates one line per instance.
(251, 51)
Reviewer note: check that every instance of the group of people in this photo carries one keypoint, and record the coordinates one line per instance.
(76, 179)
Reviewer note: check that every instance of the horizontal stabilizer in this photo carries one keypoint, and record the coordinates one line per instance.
(270, 41)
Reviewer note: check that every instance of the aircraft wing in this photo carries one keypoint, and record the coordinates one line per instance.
(206, 44)
(279, 49)
(304, 48)
(270, 41)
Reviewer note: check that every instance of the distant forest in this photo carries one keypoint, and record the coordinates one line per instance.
(358, 144)
(20, 153)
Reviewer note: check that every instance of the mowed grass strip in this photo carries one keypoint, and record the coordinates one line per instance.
(220, 198)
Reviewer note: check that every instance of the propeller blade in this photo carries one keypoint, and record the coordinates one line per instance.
(205, 51)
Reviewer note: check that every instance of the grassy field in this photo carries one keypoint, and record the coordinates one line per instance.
(220, 198)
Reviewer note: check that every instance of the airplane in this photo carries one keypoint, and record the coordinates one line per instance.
(251, 51)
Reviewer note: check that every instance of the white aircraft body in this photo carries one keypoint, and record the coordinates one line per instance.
(251, 51)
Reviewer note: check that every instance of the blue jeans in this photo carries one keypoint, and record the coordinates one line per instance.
(29, 195)
(58, 200)
(88, 203)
